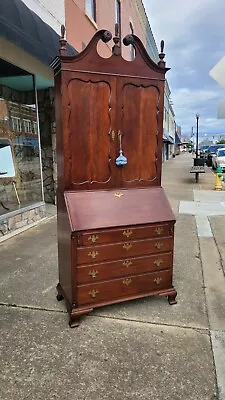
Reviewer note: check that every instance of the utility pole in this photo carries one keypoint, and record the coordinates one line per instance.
(197, 119)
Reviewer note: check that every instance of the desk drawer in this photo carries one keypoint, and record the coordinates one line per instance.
(127, 286)
(119, 235)
(95, 254)
(115, 269)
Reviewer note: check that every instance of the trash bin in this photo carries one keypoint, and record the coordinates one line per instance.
(199, 162)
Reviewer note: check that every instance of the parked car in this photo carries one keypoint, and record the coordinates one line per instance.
(203, 151)
(212, 152)
(219, 159)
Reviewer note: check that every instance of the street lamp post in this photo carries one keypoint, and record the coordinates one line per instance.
(197, 119)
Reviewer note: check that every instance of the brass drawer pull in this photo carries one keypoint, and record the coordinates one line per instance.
(93, 254)
(93, 238)
(158, 262)
(127, 263)
(93, 273)
(159, 230)
(127, 246)
(158, 245)
(93, 293)
(171, 230)
(118, 195)
(157, 280)
(127, 281)
(127, 233)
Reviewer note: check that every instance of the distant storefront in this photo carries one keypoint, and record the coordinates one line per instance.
(178, 142)
(27, 134)
(168, 146)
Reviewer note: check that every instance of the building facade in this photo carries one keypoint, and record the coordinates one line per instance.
(85, 17)
(29, 40)
(169, 125)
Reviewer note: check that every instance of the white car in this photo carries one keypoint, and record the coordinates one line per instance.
(219, 159)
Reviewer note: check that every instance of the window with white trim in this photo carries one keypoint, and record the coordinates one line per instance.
(132, 49)
(118, 12)
(90, 9)
(16, 124)
(35, 128)
(27, 125)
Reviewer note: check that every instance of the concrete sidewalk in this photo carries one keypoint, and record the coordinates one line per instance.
(143, 349)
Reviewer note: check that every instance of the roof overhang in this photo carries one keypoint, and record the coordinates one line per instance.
(25, 29)
(168, 138)
(177, 139)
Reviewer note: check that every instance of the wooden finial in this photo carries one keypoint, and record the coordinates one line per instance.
(162, 63)
(117, 48)
(63, 30)
(62, 42)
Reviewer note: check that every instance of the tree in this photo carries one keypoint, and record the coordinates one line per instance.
(221, 141)
(206, 143)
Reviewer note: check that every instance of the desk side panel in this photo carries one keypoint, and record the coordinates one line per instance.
(64, 251)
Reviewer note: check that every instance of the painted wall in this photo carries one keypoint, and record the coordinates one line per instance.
(166, 107)
(172, 123)
(52, 12)
(150, 43)
(80, 27)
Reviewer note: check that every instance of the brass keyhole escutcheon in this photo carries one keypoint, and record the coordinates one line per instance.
(127, 281)
(93, 273)
(93, 254)
(93, 293)
(113, 135)
(127, 263)
(127, 246)
(158, 245)
(158, 262)
(159, 230)
(127, 233)
(93, 238)
(157, 280)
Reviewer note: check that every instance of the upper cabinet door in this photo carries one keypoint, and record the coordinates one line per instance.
(101, 102)
(138, 118)
(89, 142)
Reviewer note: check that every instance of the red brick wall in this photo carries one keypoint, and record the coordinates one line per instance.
(80, 28)
(3, 109)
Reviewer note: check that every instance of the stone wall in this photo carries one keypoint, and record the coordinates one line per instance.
(47, 129)
(9, 224)
(54, 159)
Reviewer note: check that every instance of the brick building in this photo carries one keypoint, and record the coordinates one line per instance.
(85, 17)
(29, 41)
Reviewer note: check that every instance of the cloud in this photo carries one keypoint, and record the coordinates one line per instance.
(194, 42)
(172, 18)
(186, 98)
(187, 102)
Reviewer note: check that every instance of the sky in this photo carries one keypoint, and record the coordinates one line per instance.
(194, 35)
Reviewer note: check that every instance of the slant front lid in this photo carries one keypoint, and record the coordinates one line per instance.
(113, 208)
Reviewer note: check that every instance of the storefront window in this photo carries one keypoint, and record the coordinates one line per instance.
(20, 171)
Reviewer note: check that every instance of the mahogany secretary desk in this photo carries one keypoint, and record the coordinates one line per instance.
(115, 225)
